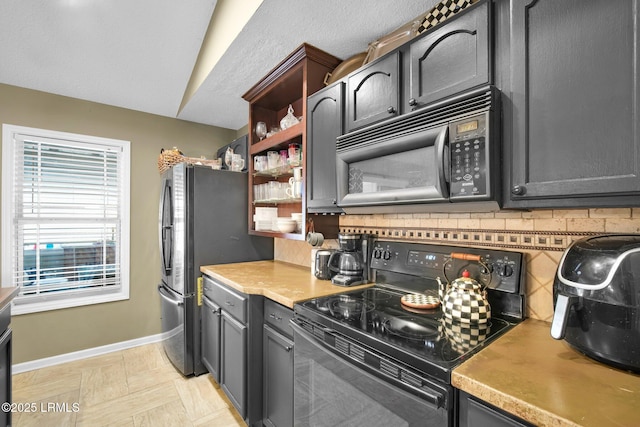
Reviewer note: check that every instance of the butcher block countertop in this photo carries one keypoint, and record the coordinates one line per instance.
(279, 281)
(546, 382)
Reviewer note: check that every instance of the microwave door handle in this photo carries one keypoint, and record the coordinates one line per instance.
(442, 162)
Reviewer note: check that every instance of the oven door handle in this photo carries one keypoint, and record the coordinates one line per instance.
(432, 396)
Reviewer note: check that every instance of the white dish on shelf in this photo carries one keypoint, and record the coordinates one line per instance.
(286, 226)
(263, 225)
(266, 214)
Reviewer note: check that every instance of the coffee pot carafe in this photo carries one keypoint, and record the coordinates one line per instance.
(348, 264)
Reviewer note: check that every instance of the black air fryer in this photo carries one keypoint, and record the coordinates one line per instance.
(596, 295)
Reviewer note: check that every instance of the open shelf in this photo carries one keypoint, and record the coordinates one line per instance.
(289, 83)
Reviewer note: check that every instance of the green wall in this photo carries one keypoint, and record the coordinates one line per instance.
(56, 332)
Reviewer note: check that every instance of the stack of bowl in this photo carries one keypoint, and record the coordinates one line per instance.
(286, 225)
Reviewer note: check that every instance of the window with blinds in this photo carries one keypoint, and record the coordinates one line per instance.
(65, 218)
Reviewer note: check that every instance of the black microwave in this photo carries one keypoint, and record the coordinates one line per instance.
(444, 157)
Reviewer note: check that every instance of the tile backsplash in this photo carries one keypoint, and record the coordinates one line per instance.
(541, 234)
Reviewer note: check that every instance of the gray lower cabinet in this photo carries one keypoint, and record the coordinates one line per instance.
(277, 345)
(211, 337)
(324, 124)
(574, 102)
(474, 412)
(5, 362)
(233, 361)
(278, 379)
(232, 346)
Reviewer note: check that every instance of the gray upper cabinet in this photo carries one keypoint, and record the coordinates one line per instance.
(324, 124)
(574, 103)
(454, 57)
(448, 59)
(373, 92)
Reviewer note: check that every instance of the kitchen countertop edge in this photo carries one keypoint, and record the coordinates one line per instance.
(544, 381)
(7, 295)
(279, 281)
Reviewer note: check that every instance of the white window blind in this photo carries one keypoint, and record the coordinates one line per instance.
(67, 219)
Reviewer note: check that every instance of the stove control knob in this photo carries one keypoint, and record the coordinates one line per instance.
(487, 270)
(377, 253)
(386, 255)
(507, 270)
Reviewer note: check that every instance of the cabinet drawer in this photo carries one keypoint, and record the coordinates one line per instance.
(230, 301)
(278, 316)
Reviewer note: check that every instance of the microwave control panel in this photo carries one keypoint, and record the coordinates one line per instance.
(468, 153)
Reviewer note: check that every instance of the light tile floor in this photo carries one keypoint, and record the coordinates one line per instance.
(133, 387)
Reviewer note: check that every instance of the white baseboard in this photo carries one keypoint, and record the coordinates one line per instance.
(83, 354)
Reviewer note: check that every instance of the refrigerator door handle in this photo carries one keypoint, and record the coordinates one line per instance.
(166, 228)
(163, 293)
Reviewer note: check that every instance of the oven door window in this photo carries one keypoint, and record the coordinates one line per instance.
(330, 391)
(410, 168)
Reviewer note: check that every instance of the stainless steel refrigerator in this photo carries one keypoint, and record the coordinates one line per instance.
(202, 221)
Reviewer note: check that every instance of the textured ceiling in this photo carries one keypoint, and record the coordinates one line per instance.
(139, 54)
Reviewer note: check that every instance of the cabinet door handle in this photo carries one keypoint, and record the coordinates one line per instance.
(288, 348)
(391, 110)
(228, 303)
(274, 316)
(518, 190)
(413, 102)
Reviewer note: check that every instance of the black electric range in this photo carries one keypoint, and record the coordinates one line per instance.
(389, 333)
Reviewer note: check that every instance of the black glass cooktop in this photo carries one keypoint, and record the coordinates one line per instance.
(423, 339)
(379, 326)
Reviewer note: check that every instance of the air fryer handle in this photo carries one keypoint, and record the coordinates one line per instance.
(561, 314)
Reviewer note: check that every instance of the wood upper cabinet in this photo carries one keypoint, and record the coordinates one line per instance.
(373, 92)
(451, 58)
(324, 124)
(290, 83)
(575, 103)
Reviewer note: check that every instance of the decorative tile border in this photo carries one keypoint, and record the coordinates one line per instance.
(509, 239)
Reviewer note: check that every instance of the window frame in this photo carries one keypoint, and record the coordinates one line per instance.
(23, 306)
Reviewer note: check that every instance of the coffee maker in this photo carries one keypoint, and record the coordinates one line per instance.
(350, 264)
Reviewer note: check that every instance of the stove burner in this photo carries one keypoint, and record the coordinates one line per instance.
(377, 295)
(411, 328)
(348, 307)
